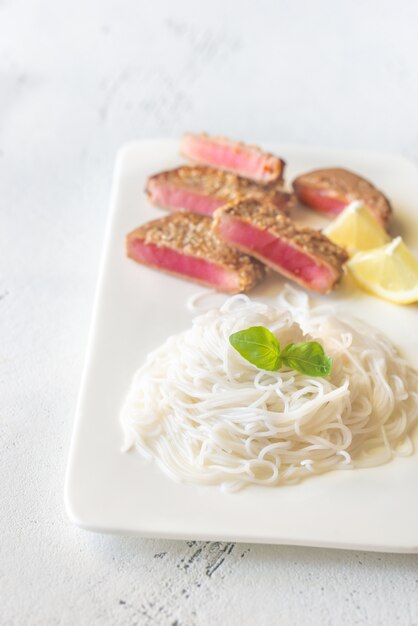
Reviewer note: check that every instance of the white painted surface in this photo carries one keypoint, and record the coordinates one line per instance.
(76, 81)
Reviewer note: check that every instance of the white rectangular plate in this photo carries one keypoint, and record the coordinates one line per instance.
(137, 308)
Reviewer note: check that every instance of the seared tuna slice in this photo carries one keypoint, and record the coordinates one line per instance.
(302, 254)
(232, 156)
(201, 189)
(330, 190)
(184, 244)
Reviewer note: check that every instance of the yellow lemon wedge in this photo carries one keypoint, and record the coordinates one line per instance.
(390, 272)
(355, 229)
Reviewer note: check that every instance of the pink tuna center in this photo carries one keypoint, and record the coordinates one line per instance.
(321, 201)
(236, 158)
(278, 253)
(184, 265)
(171, 197)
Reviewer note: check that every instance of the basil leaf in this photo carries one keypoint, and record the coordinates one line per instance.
(308, 358)
(259, 346)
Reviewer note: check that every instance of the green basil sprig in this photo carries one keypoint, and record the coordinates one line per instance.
(260, 347)
(308, 358)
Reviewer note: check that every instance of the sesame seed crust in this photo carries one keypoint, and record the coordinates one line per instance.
(267, 217)
(191, 234)
(341, 182)
(208, 181)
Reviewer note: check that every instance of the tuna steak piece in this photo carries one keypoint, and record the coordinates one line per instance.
(232, 156)
(184, 244)
(331, 190)
(201, 189)
(302, 254)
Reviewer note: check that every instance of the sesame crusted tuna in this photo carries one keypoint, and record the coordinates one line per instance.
(184, 244)
(331, 190)
(232, 156)
(302, 254)
(201, 189)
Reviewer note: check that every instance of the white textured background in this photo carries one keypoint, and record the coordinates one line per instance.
(77, 79)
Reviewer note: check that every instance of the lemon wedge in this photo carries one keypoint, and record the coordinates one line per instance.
(390, 272)
(355, 229)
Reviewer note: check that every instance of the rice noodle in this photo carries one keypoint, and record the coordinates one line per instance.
(206, 415)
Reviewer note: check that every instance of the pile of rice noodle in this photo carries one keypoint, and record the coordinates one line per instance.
(208, 416)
